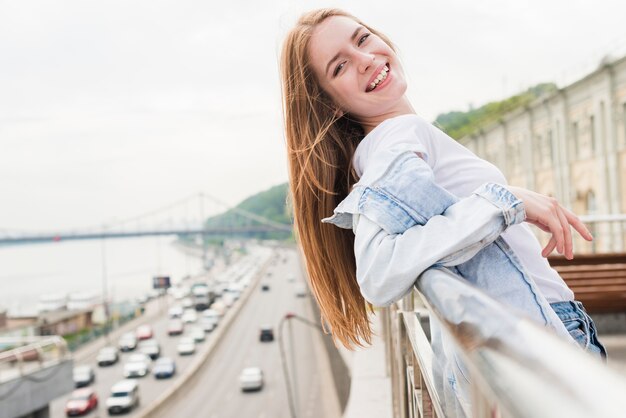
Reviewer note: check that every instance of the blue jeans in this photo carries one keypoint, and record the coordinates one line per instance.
(580, 326)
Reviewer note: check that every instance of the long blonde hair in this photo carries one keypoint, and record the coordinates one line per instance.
(320, 145)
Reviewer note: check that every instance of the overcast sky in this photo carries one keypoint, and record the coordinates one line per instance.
(109, 109)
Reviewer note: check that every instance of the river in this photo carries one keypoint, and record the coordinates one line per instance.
(29, 271)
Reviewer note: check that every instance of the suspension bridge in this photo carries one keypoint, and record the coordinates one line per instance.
(189, 216)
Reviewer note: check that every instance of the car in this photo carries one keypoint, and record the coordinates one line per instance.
(83, 376)
(144, 332)
(164, 368)
(187, 302)
(151, 348)
(186, 346)
(127, 342)
(124, 397)
(81, 402)
(251, 378)
(175, 327)
(219, 307)
(107, 356)
(207, 324)
(197, 334)
(175, 311)
(301, 290)
(265, 287)
(189, 316)
(266, 333)
(138, 365)
(212, 314)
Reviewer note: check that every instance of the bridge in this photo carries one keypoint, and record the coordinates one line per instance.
(172, 219)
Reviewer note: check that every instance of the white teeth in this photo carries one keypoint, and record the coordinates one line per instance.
(380, 77)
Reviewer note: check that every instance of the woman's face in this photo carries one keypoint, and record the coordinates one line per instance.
(359, 71)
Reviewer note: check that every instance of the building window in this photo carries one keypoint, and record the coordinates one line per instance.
(624, 123)
(549, 150)
(592, 134)
(575, 144)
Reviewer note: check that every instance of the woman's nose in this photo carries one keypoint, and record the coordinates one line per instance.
(365, 60)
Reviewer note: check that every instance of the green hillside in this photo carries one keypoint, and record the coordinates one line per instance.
(270, 204)
(459, 124)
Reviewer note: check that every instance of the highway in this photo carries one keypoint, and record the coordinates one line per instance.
(214, 391)
(150, 388)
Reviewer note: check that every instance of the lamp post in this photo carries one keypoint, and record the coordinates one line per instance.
(289, 386)
(105, 304)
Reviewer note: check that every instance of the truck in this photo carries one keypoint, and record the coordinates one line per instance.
(202, 296)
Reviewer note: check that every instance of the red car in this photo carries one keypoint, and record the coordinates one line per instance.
(144, 332)
(81, 402)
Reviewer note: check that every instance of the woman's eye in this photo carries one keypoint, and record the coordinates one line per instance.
(363, 38)
(338, 68)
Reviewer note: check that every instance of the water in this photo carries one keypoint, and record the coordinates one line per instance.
(29, 271)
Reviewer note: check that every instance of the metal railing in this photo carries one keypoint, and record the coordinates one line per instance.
(24, 355)
(516, 368)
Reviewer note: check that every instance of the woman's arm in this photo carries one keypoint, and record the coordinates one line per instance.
(388, 264)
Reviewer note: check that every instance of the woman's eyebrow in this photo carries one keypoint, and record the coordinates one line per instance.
(354, 34)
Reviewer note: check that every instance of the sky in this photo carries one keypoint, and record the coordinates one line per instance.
(109, 109)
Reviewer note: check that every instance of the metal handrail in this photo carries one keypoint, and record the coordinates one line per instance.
(28, 354)
(516, 368)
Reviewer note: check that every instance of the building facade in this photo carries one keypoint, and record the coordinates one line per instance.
(570, 144)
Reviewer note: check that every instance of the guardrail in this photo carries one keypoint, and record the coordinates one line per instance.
(24, 355)
(516, 368)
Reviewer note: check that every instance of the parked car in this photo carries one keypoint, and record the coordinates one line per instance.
(175, 311)
(197, 334)
(207, 324)
(107, 356)
(144, 332)
(164, 368)
(251, 378)
(189, 316)
(83, 376)
(138, 365)
(265, 287)
(266, 333)
(81, 402)
(151, 348)
(124, 397)
(186, 346)
(128, 342)
(175, 327)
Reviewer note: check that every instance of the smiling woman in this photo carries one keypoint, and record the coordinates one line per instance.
(393, 185)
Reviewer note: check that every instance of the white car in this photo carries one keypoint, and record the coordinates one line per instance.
(189, 316)
(124, 397)
(185, 346)
(175, 311)
(107, 356)
(207, 324)
(251, 378)
(138, 365)
(197, 334)
(212, 314)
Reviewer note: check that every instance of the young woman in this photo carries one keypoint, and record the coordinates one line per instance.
(405, 196)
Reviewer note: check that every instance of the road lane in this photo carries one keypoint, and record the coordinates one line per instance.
(214, 391)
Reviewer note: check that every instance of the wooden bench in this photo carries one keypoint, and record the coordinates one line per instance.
(597, 280)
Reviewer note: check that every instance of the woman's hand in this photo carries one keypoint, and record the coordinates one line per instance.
(547, 214)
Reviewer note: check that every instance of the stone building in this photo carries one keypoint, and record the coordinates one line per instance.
(570, 144)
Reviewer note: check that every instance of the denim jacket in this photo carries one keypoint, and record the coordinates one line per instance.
(418, 225)
(423, 225)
